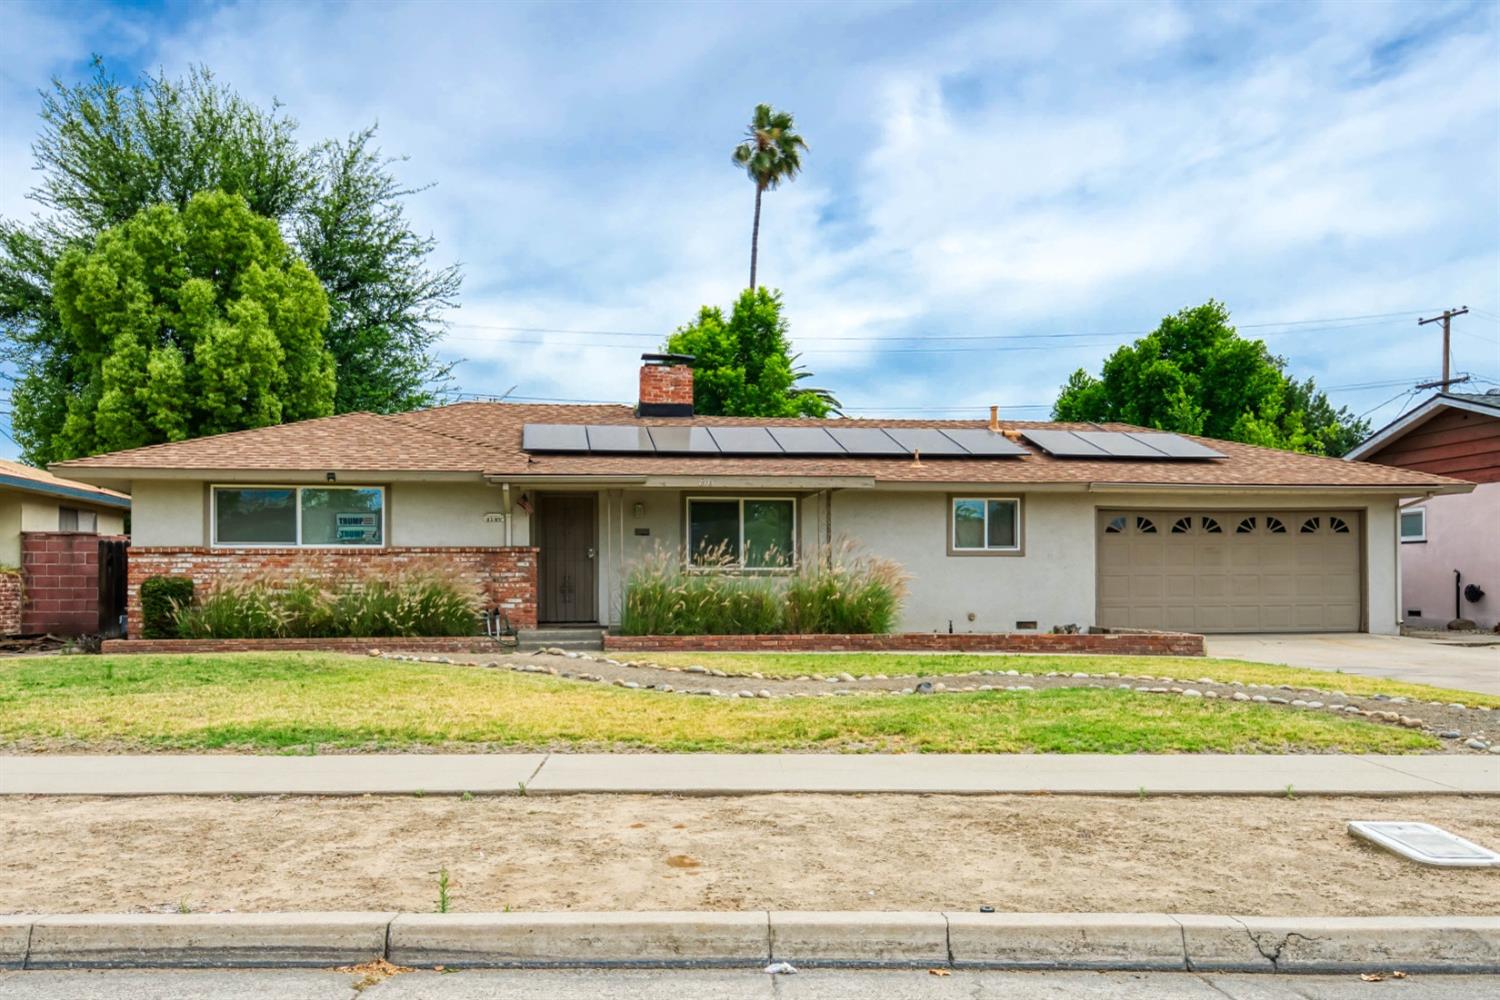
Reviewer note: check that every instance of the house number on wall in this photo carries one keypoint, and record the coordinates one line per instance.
(494, 517)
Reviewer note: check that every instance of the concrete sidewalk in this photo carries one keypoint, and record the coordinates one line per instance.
(748, 774)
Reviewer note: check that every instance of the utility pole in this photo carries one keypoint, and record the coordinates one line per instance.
(1446, 318)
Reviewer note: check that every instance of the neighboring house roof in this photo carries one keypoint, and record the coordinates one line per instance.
(1485, 403)
(14, 475)
(485, 438)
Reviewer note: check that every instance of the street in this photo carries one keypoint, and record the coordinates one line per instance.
(723, 985)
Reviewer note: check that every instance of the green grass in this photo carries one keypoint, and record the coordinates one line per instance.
(1186, 667)
(285, 702)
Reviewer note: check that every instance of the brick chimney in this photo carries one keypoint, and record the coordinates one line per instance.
(666, 386)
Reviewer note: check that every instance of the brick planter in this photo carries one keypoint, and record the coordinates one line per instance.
(433, 644)
(505, 575)
(1116, 643)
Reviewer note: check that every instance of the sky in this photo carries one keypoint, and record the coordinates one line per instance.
(994, 196)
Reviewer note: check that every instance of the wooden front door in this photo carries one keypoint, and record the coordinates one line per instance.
(566, 570)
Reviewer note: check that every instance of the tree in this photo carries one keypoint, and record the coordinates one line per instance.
(742, 366)
(1196, 375)
(770, 153)
(187, 323)
(106, 151)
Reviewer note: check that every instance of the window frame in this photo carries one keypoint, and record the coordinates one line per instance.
(1019, 549)
(80, 516)
(740, 500)
(1401, 516)
(296, 488)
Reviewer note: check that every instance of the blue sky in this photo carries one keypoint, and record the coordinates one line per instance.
(985, 183)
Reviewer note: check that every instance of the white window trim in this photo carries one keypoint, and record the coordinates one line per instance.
(1401, 516)
(986, 547)
(687, 529)
(213, 515)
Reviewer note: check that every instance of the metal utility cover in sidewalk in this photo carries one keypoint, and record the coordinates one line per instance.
(1425, 843)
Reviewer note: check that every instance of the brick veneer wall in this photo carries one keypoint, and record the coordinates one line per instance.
(505, 575)
(1117, 643)
(60, 572)
(11, 595)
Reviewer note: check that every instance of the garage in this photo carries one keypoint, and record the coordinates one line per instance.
(1230, 571)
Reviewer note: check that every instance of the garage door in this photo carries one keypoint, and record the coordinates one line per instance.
(1230, 571)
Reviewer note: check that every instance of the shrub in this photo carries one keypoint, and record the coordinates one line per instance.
(830, 592)
(161, 598)
(409, 604)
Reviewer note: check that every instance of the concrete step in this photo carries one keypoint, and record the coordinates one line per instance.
(583, 640)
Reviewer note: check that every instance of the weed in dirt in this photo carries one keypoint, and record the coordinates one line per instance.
(466, 797)
(521, 789)
(442, 882)
(183, 907)
(1289, 793)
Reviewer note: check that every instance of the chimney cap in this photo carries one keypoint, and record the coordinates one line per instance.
(667, 359)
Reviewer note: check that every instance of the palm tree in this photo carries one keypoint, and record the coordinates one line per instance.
(771, 152)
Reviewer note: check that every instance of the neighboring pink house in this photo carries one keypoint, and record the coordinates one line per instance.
(1450, 545)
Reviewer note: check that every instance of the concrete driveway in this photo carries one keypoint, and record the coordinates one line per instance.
(1472, 665)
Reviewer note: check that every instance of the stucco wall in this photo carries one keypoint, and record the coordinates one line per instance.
(1463, 533)
(167, 513)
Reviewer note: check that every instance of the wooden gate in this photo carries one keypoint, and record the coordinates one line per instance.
(112, 577)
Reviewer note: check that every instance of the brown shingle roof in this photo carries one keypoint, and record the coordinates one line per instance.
(486, 438)
(27, 477)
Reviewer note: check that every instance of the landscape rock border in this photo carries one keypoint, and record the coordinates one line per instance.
(874, 939)
(1462, 727)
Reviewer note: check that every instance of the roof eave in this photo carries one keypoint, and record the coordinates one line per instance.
(65, 491)
(1409, 421)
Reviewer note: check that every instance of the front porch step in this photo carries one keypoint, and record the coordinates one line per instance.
(581, 640)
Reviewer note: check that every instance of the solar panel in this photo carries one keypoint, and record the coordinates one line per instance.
(1175, 445)
(744, 441)
(805, 441)
(554, 437)
(1064, 444)
(620, 438)
(1118, 445)
(866, 441)
(683, 441)
(980, 442)
(926, 440)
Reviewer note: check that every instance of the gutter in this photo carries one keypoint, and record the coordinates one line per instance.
(70, 492)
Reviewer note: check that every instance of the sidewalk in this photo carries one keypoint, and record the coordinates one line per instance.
(748, 774)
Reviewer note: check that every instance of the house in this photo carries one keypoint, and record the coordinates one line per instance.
(1000, 525)
(1450, 544)
(50, 530)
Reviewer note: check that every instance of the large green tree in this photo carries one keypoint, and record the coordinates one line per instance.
(743, 366)
(181, 323)
(106, 151)
(1196, 375)
(770, 153)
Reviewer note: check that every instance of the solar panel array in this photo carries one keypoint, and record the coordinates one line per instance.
(1151, 445)
(894, 442)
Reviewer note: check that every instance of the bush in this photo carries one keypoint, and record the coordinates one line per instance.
(840, 592)
(410, 604)
(161, 598)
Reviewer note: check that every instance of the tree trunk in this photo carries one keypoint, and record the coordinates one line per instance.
(755, 236)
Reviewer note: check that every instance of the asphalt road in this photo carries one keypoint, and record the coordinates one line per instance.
(727, 985)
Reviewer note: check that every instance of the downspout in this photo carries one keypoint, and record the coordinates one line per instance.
(510, 513)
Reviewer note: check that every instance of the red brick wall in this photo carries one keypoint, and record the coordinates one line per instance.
(11, 595)
(506, 576)
(421, 644)
(1117, 643)
(60, 571)
(667, 384)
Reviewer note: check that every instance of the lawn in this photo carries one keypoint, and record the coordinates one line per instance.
(1185, 667)
(289, 702)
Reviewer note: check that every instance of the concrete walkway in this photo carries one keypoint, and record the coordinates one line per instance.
(748, 774)
(1465, 663)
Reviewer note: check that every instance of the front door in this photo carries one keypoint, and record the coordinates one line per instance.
(566, 569)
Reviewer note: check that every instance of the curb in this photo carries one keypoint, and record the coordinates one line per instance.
(1098, 941)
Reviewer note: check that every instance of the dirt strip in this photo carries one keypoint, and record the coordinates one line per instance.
(1016, 853)
(1456, 725)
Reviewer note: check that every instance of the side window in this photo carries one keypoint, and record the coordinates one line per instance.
(73, 519)
(1414, 525)
(984, 524)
